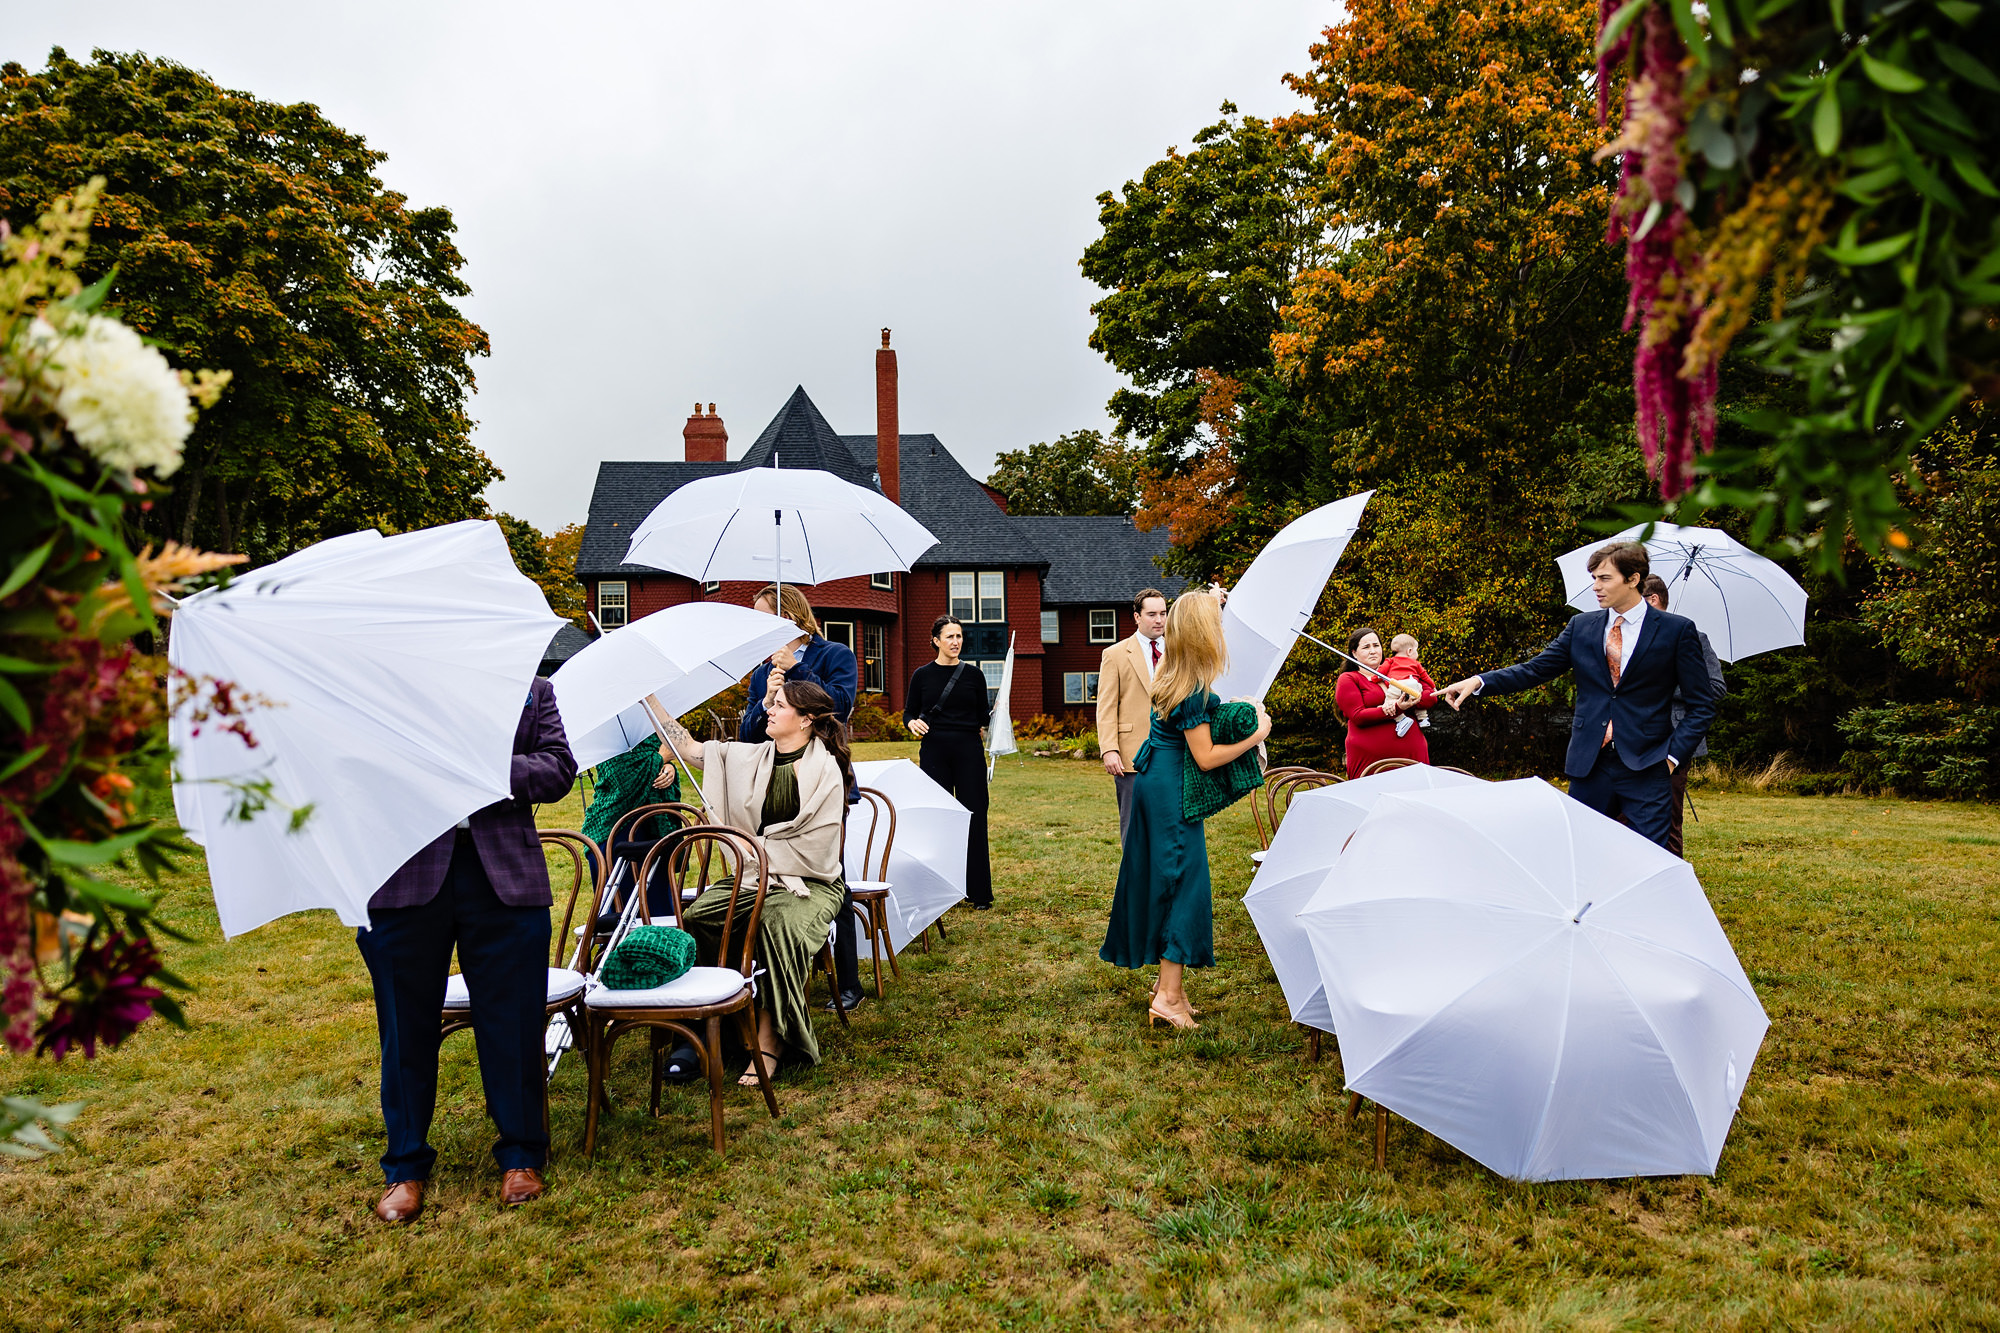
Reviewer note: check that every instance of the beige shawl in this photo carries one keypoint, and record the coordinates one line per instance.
(736, 775)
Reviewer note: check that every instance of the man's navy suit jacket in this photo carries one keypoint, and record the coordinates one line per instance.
(1640, 706)
(503, 833)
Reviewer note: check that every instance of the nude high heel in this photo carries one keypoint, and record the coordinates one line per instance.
(1191, 1009)
(1155, 1014)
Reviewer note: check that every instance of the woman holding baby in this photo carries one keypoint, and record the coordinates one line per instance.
(1386, 703)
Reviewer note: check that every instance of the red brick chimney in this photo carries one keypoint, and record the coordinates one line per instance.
(888, 437)
(704, 439)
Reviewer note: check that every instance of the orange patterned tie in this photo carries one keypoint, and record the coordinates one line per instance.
(1614, 653)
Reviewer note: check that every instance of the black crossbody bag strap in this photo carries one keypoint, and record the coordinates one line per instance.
(949, 686)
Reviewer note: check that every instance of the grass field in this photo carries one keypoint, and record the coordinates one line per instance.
(1001, 1143)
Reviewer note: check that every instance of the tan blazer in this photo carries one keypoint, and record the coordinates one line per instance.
(1124, 698)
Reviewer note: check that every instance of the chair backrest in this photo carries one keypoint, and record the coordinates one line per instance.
(1384, 765)
(705, 856)
(627, 827)
(1282, 793)
(1453, 768)
(1261, 811)
(881, 820)
(584, 865)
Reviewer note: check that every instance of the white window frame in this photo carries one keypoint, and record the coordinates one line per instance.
(827, 628)
(1072, 687)
(999, 585)
(1051, 626)
(991, 669)
(614, 592)
(712, 587)
(1104, 630)
(885, 581)
(874, 657)
(1090, 687)
(952, 601)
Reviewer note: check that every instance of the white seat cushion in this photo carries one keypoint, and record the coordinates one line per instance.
(563, 985)
(858, 887)
(1258, 857)
(696, 986)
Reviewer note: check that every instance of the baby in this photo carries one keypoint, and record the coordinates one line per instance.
(1402, 664)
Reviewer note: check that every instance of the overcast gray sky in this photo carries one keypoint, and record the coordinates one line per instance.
(669, 202)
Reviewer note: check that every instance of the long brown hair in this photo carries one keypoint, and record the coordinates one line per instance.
(792, 605)
(1196, 653)
(827, 728)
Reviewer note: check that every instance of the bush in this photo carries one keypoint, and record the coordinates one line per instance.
(870, 721)
(1938, 749)
(1040, 727)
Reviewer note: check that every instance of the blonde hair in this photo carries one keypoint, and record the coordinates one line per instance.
(793, 606)
(1396, 645)
(1195, 652)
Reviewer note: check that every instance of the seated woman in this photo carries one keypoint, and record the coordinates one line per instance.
(1371, 708)
(790, 794)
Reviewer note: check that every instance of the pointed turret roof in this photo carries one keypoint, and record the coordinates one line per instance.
(800, 438)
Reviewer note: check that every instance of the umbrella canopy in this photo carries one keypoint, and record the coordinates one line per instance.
(396, 668)
(685, 654)
(1275, 598)
(1534, 983)
(1000, 727)
(1743, 602)
(927, 862)
(1316, 828)
(790, 525)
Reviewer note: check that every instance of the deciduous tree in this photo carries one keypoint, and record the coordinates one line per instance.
(1078, 473)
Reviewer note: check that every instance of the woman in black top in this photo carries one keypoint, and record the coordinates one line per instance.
(946, 708)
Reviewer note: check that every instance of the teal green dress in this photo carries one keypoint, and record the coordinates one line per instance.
(1162, 907)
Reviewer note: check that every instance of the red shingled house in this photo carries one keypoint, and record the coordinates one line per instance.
(989, 568)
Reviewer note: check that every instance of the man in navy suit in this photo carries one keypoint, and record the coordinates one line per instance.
(484, 887)
(1627, 660)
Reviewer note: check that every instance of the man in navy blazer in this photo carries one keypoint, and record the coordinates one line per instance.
(1627, 660)
(482, 886)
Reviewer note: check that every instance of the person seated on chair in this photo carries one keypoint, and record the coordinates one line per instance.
(790, 794)
(641, 776)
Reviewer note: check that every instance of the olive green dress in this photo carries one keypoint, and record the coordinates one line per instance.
(790, 933)
(1162, 907)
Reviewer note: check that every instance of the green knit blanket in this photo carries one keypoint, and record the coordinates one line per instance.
(1206, 792)
(647, 957)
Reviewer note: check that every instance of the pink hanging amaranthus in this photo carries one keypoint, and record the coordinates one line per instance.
(1675, 413)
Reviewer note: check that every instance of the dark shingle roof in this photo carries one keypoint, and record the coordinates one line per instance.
(625, 494)
(801, 438)
(1099, 561)
(568, 642)
(939, 493)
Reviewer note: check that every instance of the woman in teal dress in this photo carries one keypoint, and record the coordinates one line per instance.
(1161, 911)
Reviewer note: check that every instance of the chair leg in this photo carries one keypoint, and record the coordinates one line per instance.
(1381, 1138)
(882, 924)
(942, 937)
(712, 1038)
(833, 982)
(594, 1059)
(1353, 1106)
(658, 1050)
(1312, 1042)
(749, 1027)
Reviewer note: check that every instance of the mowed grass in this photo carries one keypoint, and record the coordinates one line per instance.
(1003, 1144)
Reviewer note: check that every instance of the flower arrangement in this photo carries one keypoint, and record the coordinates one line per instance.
(88, 411)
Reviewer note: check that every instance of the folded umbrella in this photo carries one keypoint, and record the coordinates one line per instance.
(1317, 826)
(1273, 601)
(927, 862)
(1745, 603)
(395, 668)
(1534, 983)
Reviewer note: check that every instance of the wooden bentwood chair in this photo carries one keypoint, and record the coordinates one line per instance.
(693, 1005)
(871, 891)
(1384, 765)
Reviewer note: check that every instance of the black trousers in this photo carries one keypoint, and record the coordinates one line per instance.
(1645, 796)
(503, 952)
(956, 761)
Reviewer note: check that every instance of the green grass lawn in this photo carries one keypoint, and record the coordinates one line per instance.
(1003, 1144)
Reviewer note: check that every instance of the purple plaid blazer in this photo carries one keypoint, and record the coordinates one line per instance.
(503, 833)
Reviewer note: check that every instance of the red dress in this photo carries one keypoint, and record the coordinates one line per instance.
(1370, 735)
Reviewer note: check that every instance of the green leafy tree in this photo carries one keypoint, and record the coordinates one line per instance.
(256, 237)
(550, 562)
(1078, 473)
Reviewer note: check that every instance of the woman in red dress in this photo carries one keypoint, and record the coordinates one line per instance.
(1372, 710)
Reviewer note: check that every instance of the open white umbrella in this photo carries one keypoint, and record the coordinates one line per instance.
(1302, 855)
(1534, 983)
(788, 525)
(684, 655)
(927, 863)
(1743, 602)
(396, 668)
(1271, 604)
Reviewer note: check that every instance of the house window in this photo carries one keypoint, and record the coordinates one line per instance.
(991, 670)
(1051, 627)
(712, 587)
(611, 605)
(886, 582)
(1080, 687)
(989, 606)
(1103, 625)
(840, 632)
(961, 597)
(992, 596)
(874, 657)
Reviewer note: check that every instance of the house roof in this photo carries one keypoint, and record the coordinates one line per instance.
(800, 438)
(568, 642)
(939, 493)
(1099, 561)
(624, 495)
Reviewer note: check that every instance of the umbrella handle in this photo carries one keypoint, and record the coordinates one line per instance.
(1410, 690)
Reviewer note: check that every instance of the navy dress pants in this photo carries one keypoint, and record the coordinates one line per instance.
(503, 952)
(1644, 796)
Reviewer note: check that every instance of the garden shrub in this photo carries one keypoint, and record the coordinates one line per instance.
(1927, 749)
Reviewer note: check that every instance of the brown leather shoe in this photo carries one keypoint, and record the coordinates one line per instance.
(403, 1201)
(521, 1185)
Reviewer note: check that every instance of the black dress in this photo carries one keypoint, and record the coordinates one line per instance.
(953, 757)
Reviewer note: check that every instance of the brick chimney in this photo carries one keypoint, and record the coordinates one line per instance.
(888, 437)
(703, 438)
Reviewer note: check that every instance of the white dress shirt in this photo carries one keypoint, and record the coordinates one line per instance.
(1146, 653)
(1632, 620)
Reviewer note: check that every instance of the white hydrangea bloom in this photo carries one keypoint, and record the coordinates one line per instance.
(119, 397)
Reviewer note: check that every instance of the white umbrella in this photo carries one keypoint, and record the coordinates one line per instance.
(1743, 602)
(396, 668)
(1302, 855)
(927, 863)
(1534, 983)
(1000, 727)
(685, 654)
(788, 525)
(1271, 604)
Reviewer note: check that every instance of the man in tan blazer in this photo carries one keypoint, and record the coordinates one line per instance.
(1125, 695)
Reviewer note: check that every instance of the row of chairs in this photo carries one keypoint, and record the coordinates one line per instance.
(682, 859)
